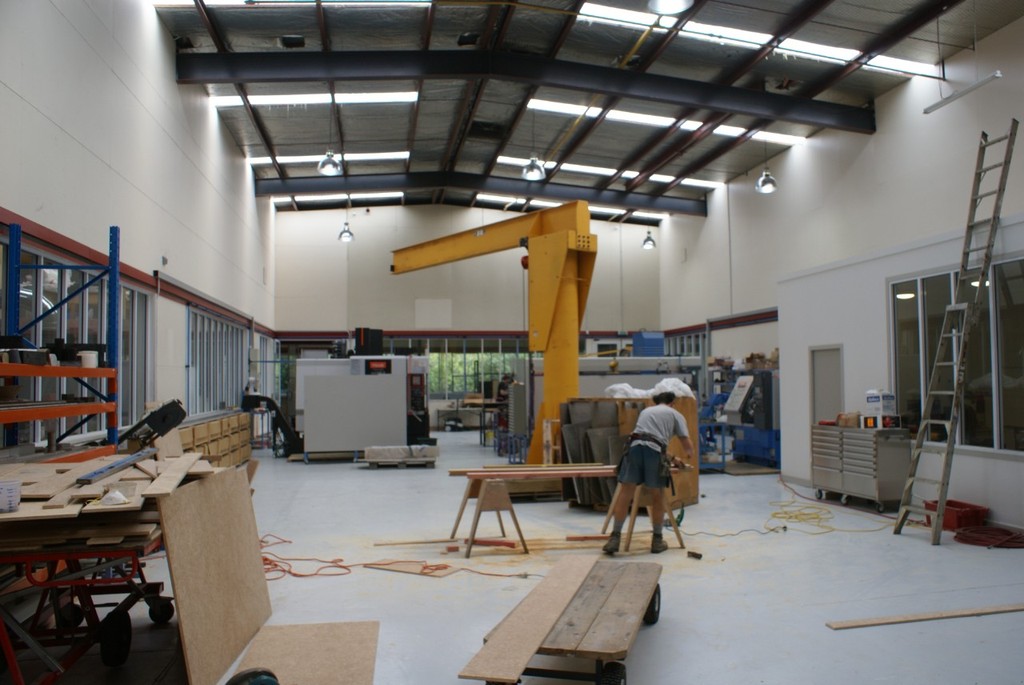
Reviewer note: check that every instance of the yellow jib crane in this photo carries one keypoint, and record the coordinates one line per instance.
(562, 252)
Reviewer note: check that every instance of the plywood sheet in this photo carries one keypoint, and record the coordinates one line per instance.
(317, 653)
(214, 557)
(36, 511)
(169, 445)
(514, 642)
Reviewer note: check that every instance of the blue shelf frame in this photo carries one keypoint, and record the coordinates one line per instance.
(12, 313)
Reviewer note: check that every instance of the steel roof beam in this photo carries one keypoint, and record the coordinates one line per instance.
(237, 68)
(488, 184)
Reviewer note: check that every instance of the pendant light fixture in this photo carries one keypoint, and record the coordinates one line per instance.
(346, 235)
(669, 6)
(330, 165)
(649, 243)
(534, 170)
(766, 184)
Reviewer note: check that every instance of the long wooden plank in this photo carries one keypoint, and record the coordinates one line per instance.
(169, 480)
(614, 630)
(316, 653)
(505, 656)
(601, 472)
(930, 616)
(34, 511)
(575, 621)
(48, 487)
(220, 590)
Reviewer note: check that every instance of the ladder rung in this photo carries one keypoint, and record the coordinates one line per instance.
(941, 392)
(944, 364)
(981, 196)
(983, 248)
(985, 170)
(958, 307)
(918, 509)
(927, 481)
(996, 141)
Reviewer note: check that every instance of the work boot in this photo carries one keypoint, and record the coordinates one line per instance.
(612, 546)
(658, 544)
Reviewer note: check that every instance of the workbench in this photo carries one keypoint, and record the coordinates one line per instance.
(585, 607)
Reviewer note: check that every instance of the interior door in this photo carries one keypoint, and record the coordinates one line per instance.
(826, 383)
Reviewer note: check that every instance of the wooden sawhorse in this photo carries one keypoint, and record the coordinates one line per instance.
(635, 508)
(491, 495)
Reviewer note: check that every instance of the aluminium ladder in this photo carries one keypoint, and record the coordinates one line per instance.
(943, 402)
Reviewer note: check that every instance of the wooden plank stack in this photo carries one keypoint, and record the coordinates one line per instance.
(223, 441)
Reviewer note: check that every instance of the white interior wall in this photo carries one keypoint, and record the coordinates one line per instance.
(816, 309)
(96, 131)
(326, 285)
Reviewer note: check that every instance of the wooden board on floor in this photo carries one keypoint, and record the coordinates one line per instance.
(514, 642)
(213, 554)
(416, 568)
(317, 653)
(932, 616)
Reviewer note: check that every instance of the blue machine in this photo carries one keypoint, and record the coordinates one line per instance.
(712, 433)
(753, 411)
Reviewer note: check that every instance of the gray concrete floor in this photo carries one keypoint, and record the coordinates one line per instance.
(752, 610)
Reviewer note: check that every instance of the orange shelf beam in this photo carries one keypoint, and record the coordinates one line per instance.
(85, 455)
(55, 411)
(12, 370)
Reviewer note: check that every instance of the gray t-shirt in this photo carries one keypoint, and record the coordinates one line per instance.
(663, 422)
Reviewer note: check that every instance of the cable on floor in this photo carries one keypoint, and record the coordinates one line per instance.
(989, 536)
(276, 566)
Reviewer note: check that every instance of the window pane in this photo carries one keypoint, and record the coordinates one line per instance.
(908, 353)
(1009, 282)
(978, 415)
(937, 296)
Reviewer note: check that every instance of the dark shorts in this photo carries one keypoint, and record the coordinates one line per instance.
(641, 466)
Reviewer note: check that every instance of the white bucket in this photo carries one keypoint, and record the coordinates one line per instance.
(10, 495)
(89, 359)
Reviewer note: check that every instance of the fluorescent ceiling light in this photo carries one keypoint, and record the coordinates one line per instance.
(956, 95)
(544, 203)
(594, 209)
(377, 196)
(587, 169)
(905, 296)
(293, 99)
(792, 46)
(557, 107)
(501, 199)
(883, 63)
(661, 178)
(521, 161)
(326, 197)
(281, 199)
(374, 156)
(614, 15)
(699, 183)
(780, 138)
(651, 215)
(725, 35)
(376, 98)
(637, 118)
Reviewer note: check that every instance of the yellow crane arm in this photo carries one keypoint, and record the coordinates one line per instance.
(562, 252)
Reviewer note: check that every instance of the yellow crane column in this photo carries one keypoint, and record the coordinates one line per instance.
(562, 252)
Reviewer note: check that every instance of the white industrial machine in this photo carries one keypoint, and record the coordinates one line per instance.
(347, 405)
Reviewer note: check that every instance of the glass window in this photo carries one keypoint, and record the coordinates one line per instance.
(218, 367)
(1009, 290)
(978, 414)
(907, 332)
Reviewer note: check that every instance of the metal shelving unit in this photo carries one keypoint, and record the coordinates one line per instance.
(105, 398)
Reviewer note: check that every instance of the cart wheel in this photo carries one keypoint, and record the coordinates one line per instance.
(654, 608)
(819, 494)
(844, 500)
(879, 507)
(613, 673)
(160, 610)
(115, 637)
(254, 676)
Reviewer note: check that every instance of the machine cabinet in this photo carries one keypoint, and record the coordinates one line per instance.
(858, 462)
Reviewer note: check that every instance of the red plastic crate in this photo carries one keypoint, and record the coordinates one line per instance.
(958, 514)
